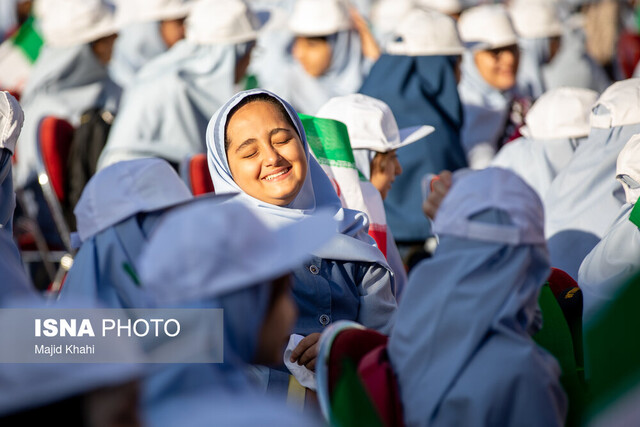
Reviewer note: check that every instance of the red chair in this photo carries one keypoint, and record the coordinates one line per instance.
(194, 171)
(367, 350)
(628, 53)
(559, 282)
(53, 144)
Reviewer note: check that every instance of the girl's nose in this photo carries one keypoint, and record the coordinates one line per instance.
(271, 155)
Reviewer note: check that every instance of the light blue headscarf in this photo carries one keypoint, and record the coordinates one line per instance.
(585, 197)
(165, 392)
(64, 82)
(136, 45)
(537, 162)
(350, 242)
(119, 208)
(485, 112)
(462, 347)
(202, 408)
(534, 53)
(166, 110)
(607, 267)
(105, 268)
(572, 66)
(272, 48)
(344, 76)
(244, 315)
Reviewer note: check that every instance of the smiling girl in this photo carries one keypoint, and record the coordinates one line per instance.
(257, 146)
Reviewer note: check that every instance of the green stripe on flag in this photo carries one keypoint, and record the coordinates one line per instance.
(329, 141)
(28, 40)
(334, 163)
(350, 403)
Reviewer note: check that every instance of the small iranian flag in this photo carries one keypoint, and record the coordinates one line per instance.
(330, 145)
(17, 55)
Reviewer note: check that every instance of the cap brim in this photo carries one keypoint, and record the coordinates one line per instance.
(485, 45)
(401, 49)
(412, 134)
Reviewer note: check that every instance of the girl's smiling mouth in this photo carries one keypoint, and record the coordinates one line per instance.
(281, 174)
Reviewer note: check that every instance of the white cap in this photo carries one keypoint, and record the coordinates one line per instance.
(11, 119)
(448, 7)
(628, 169)
(387, 14)
(125, 189)
(533, 20)
(221, 22)
(317, 18)
(486, 27)
(31, 385)
(72, 22)
(370, 123)
(161, 10)
(560, 113)
(621, 100)
(206, 249)
(491, 188)
(426, 32)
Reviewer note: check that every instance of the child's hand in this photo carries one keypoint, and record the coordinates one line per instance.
(439, 188)
(306, 351)
(370, 48)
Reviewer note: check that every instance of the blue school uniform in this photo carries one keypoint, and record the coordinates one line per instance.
(420, 91)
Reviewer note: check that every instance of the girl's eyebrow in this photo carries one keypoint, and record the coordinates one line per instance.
(244, 144)
(277, 130)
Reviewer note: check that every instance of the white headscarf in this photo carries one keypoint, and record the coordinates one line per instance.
(556, 124)
(11, 119)
(166, 111)
(584, 198)
(137, 44)
(485, 112)
(617, 256)
(344, 76)
(486, 109)
(64, 82)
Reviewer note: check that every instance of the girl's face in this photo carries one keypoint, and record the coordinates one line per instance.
(172, 31)
(103, 48)
(384, 169)
(313, 53)
(265, 154)
(498, 67)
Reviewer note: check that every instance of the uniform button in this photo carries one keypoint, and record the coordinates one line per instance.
(324, 320)
(313, 269)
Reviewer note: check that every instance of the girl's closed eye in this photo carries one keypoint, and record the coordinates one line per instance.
(249, 154)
